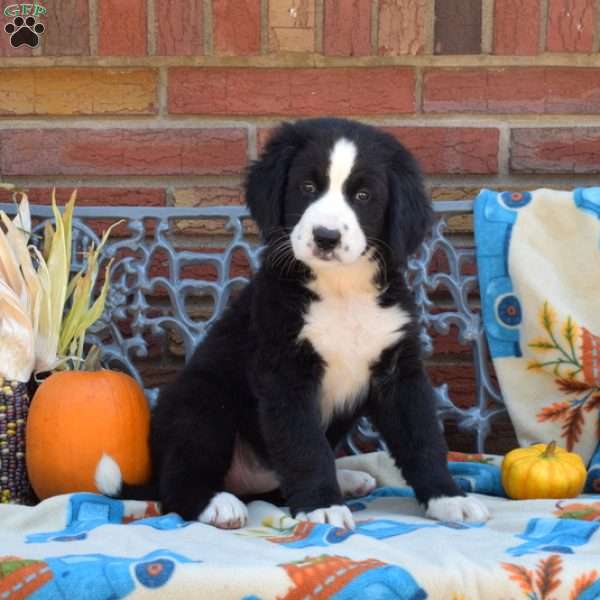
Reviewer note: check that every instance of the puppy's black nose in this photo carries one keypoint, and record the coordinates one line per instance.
(326, 239)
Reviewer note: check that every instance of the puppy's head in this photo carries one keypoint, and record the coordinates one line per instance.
(333, 188)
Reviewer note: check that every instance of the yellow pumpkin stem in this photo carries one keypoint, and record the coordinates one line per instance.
(549, 451)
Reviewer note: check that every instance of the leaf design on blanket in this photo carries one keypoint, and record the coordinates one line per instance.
(540, 584)
(582, 583)
(521, 575)
(578, 510)
(554, 412)
(575, 368)
(570, 386)
(573, 426)
(546, 575)
(593, 403)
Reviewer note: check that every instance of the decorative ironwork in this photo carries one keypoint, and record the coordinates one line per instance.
(146, 305)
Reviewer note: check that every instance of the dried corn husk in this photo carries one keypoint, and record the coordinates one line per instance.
(41, 293)
(17, 356)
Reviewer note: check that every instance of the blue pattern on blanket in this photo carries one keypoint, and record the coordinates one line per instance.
(89, 511)
(478, 478)
(500, 219)
(588, 199)
(554, 535)
(314, 535)
(102, 577)
(500, 307)
(592, 484)
(382, 583)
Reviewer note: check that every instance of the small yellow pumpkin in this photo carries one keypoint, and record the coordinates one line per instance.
(542, 471)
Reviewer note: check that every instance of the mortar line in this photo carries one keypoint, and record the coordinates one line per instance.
(543, 25)
(93, 25)
(319, 21)
(162, 91)
(504, 150)
(297, 60)
(151, 27)
(375, 27)
(264, 27)
(487, 26)
(429, 29)
(419, 91)
(207, 26)
(252, 141)
(596, 41)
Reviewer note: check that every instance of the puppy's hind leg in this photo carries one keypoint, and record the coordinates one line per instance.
(197, 435)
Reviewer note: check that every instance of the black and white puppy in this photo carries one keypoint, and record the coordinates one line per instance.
(326, 331)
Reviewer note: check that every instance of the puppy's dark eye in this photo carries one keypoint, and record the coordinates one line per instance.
(362, 196)
(308, 187)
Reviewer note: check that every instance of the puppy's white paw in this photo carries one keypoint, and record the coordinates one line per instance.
(225, 511)
(355, 483)
(457, 509)
(336, 515)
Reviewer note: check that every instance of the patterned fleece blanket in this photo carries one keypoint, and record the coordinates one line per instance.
(538, 258)
(89, 547)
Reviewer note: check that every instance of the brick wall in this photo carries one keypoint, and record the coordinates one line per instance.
(164, 101)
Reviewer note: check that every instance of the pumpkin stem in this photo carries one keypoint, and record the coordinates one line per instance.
(549, 451)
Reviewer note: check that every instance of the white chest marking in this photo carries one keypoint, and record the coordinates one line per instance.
(349, 330)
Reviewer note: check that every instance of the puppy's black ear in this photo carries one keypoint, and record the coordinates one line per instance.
(410, 213)
(266, 180)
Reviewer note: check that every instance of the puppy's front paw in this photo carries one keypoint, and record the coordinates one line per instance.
(225, 511)
(338, 516)
(355, 483)
(457, 509)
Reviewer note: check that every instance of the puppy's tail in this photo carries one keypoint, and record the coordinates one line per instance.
(109, 482)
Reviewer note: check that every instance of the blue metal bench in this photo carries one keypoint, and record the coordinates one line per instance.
(146, 310)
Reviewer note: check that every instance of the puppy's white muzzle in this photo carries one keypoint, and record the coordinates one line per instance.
(328, 232)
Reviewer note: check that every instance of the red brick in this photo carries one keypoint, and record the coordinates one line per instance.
(99, 196)
(291, 92)
(402, 27)
(291, 25)
(472, 150)
(236, 27)
(457, 26)
(67, 28)
(209, 196)
(122, 27)
(460, 378)
(555, 150)
(77, 91)
(179, 28)
(449, 345)
(517, 90)
(96, 196)
(452, 149)
(347, 28)
(516, 27)
(571, 25)
(122, 151)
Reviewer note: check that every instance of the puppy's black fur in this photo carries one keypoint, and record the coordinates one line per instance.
(251, 378)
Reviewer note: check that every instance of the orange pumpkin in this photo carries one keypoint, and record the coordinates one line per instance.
(76, 416)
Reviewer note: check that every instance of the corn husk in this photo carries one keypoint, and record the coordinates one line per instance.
(36, 297)
(17, 357)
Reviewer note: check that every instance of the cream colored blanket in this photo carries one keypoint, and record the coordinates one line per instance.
(88, 547)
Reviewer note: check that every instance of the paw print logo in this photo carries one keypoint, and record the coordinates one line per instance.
(24, 31)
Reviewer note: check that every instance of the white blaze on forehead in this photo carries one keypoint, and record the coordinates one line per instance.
(341, 162)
